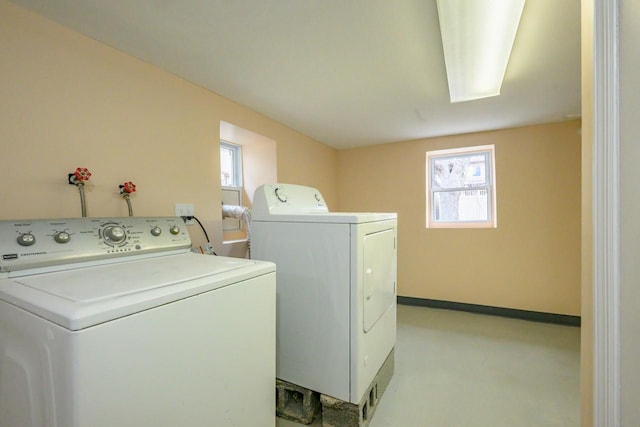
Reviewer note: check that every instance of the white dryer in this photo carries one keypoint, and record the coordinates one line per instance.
(336, 288)
(114, 322)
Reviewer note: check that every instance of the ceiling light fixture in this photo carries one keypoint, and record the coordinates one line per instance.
(477, 37)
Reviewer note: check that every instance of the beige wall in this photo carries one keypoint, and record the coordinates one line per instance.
(586, 332)
(68, 101)
(530, 262)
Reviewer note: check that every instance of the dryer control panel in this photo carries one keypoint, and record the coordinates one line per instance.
(287, 199)
(26, 244)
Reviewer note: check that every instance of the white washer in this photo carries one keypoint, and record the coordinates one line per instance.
(114, 322)
(336, 288)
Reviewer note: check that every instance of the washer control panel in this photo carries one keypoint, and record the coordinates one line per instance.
(26, 244)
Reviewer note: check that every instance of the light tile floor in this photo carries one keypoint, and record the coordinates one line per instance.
(457, 369)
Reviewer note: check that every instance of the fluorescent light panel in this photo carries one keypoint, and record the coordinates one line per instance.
(477, 37)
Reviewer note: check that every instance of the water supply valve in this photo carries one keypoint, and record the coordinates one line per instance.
(79, 176)
(127, 188)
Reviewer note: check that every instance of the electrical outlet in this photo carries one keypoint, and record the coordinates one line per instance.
(185, 209)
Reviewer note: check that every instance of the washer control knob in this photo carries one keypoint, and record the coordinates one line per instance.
(156, 231)
(62, 237)
(115, 234)
(174, 230)
(26, 239)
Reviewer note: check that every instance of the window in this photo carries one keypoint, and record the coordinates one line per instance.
(230, 165)
(461, 190)
(231, 182)
(257, 165)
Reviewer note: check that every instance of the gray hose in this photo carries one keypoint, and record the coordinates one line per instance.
(126, 198)
(83, 205)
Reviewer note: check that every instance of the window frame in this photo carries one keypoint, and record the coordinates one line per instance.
(492, 221)
(236, 180)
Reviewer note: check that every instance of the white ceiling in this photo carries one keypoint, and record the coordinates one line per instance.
(345, 72)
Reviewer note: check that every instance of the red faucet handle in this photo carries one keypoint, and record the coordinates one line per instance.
(82, 174)
(128, 187)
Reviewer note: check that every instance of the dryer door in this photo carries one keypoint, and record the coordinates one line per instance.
(379, 256)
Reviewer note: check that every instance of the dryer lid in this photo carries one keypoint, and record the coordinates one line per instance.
(330, 217)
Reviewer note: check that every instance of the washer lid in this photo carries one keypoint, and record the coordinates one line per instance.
(77, 299)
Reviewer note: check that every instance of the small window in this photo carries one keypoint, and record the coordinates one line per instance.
(230, 165)
(231, 183)
(461, 190)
